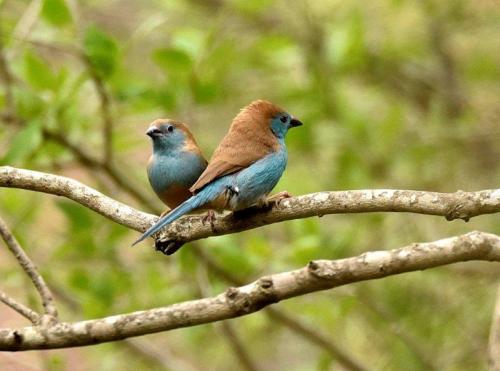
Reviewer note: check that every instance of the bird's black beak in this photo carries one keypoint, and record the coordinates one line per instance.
(294, 123)
(153, 131)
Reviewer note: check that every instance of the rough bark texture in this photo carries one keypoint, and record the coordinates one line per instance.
(239, 301)
(458, 205)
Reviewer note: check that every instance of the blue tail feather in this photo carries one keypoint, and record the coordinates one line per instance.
(204, 196)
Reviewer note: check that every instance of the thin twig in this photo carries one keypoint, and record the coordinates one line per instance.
(239, 301)
(30, 269)
(20, 308)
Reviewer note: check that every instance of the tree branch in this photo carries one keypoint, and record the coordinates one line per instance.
(78, 192)
(30, 269)
(20, 308)
(236, 302)
(458, 205)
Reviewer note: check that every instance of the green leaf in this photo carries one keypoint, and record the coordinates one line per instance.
(56, 12)
(102, 51)
(172, 60)
(38, 73)
(24, 143)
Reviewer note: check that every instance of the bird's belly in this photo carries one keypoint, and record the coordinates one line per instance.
(248, 186)
(174, 195)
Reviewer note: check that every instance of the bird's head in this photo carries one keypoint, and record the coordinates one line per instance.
(267, 116)
(169, 134)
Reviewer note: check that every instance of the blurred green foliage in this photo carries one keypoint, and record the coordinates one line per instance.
(393, 94)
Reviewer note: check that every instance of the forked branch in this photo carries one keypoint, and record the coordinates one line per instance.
(30, 269)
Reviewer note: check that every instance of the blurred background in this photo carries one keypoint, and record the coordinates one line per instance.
(393, 94)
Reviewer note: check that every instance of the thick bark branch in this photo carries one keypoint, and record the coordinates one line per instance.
(458, 205)
(235, 302)
(30, 269)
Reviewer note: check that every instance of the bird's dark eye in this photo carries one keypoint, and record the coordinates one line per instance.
(283, 119)
(170, 128)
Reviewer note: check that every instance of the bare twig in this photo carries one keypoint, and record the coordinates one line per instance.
(494, 344)
(294, 323)
(20, 308)
(236, 302)
(30, 269)
(458, 205)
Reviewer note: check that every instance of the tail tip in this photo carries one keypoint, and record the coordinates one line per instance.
(140, 239)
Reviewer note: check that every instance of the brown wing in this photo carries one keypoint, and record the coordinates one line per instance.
(231, 156)
(248, 140)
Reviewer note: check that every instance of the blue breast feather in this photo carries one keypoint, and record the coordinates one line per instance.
(174, 168)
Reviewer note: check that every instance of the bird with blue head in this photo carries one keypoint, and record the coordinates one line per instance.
(244, 168)
(176, 161)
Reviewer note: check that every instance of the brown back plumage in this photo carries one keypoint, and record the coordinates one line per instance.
(249, 139)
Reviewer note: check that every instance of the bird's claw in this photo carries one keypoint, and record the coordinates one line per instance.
(168, 247)
(277, 198)
(209, 218)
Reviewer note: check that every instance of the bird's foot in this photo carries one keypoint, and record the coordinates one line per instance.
(209, 218)
(168, 247)
(277, 198)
